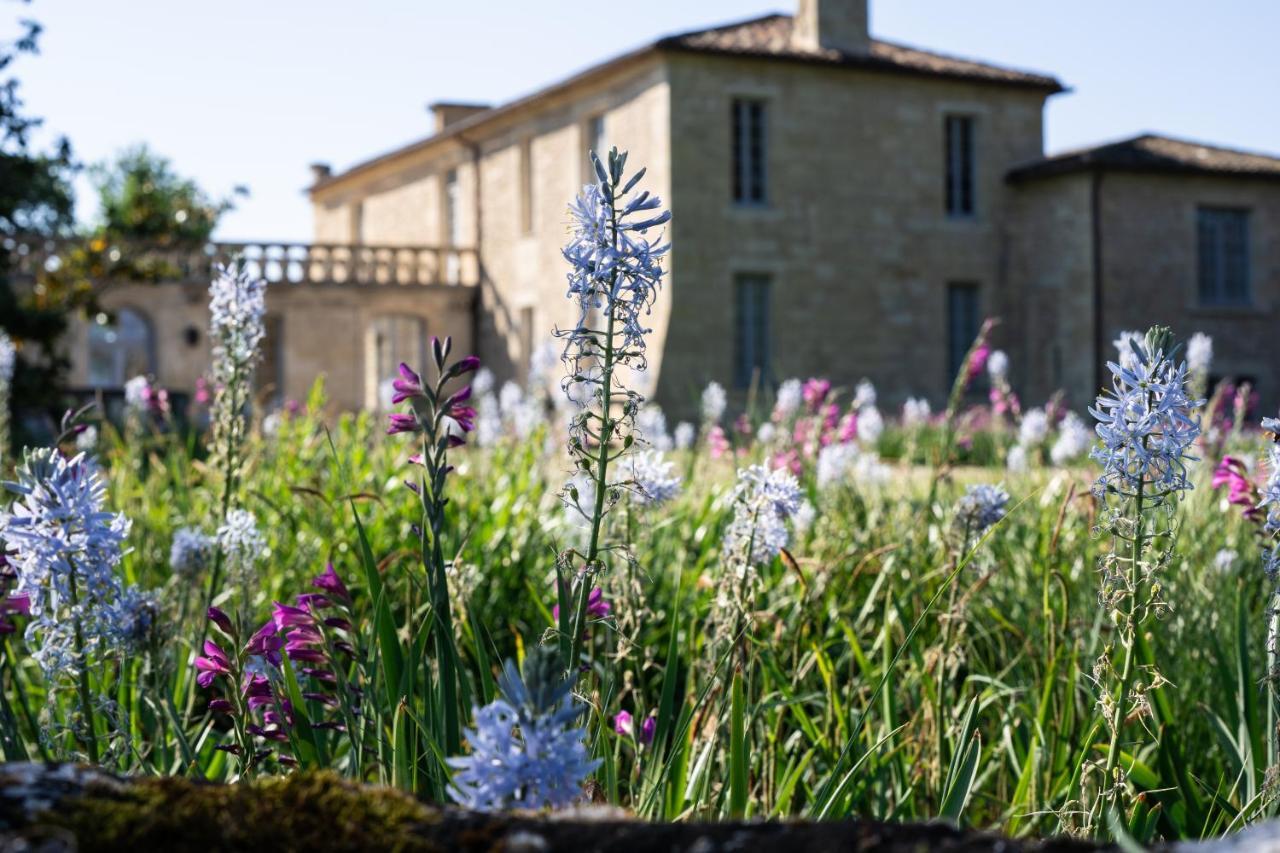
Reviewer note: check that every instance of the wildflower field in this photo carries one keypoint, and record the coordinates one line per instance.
(525, 596)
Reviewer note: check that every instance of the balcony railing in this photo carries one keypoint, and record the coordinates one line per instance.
(278, 263)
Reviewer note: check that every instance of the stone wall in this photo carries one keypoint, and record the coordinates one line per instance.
(1150, 267)
(855, 236)
(324, 331)
(1048, 328)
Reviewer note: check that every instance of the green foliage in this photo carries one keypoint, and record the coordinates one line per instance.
(142, 199)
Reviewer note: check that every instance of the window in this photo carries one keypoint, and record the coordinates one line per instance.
(268, 379)
(121, 349)
(526, 186)
(751, 330)
(958, 151)
(526, 336)
(597, 141)
(963, 323)
(452, 226)
(749, 152)
(393, 338)
(1224, 256)
(452, 196)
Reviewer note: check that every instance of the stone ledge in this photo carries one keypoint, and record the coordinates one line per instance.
(70, 807)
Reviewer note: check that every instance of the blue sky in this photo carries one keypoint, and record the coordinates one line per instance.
(240, 92)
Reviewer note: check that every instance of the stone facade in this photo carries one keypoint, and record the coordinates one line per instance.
(1137, 232)
(854, 237)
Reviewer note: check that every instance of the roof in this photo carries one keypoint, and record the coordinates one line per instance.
(1152, 153)
(770, 38)
(767, 37)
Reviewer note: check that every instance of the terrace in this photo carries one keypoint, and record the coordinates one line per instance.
(279, 263)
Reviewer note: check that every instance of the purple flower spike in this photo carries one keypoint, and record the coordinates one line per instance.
(408, 385)
(219, 618)
(331, 583)
(647, 730)
(400, 422)
(286, 615)
(211, 664)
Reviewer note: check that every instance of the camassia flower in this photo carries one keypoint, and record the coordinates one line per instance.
(525, 753)
(981, 507)
(1145, 424)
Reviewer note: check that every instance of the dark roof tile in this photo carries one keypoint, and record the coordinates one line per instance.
(1151, 153)
(770, 38)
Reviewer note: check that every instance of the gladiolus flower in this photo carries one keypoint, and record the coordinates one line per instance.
(211, 664)
(400, 422)
(408, 385)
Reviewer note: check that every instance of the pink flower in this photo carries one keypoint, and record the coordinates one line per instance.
(717, 443)
(596, 605)
(1232, 473)
(848, 428)
(814, 392)
(978, 361)
(647, 729)
(203, 394)
(623, 724)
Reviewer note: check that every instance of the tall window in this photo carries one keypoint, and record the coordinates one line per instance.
(393, 338)
(121, 349)
(452, 196)
(963, 322)
(749, 152)
(452, 225)
(526, 336)
(751, 329)
(1224, 256)
(597, 141)
(526, 186)
(958, 151)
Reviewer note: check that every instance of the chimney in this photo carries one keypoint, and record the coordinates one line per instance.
(449, 112)
(321, 172)
(832, 24)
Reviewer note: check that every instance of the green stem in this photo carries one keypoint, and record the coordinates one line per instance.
(1121, 692)
(607, 424)
(86, 703)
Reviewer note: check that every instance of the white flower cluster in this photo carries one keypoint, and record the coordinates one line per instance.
(998, 365)
(915, 412)
(1200, 354)
(651, 427)
(1072, 442)
(137, 395)
(714, 401)
(242, 544)
(763, 501)
(8, 358)
(847, 463)
(788, 400)
(684, 435)
(65, 547)
(652, 477)
(237, 305)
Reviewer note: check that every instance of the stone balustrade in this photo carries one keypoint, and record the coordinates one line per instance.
(280, 263)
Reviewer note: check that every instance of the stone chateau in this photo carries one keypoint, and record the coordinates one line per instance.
(842, 206)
